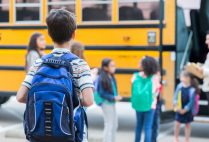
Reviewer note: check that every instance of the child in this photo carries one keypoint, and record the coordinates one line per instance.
(61, 28)
(144, 93)
(36, 47)
(77, 48)
(156, 118)
(107, 89)
(61, 33)
(184, 100)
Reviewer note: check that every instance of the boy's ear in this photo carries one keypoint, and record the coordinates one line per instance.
(73, 35)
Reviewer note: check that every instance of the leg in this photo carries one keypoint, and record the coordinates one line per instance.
(139, 125)
(114, 124)
(187, 132)
(148, 121)
(107, 114)
(155, 125)
(176, 132)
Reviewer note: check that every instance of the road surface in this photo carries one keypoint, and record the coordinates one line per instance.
(11, 129)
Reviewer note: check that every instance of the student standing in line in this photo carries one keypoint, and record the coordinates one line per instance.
(107, 89)
(35, 50)
(61, 28)
(144, 93)
(184, 102)
(157, 111)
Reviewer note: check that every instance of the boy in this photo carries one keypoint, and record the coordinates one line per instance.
(61, 28)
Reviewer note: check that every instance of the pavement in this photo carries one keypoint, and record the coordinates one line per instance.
(11, 128)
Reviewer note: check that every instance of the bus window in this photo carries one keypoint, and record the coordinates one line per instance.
(134, 10)
(28, 10)
(66, 4)
(4, 11)
(96, 10)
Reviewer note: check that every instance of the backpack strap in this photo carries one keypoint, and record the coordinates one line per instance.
(69, 57)
(63, 61)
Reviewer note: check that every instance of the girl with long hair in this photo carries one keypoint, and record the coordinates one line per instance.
(35, 50)
(107, 89)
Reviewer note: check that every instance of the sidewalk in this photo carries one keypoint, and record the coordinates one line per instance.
(95, 135)
(125, 132)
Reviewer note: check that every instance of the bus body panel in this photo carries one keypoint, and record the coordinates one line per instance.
(125, 42)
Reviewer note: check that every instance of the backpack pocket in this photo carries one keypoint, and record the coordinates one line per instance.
(49, 116)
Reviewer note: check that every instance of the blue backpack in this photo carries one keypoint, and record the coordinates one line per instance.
(53, 113)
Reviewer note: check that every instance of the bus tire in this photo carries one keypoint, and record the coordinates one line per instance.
(4, 100)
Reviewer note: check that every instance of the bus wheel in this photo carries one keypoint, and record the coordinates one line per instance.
(4, 100)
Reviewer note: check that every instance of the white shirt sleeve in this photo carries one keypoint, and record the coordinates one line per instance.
(82, 74)
(32, 71)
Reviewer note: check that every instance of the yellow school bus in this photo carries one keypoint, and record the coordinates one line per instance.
(124, 30)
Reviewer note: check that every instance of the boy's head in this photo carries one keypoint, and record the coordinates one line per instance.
(61, 25)
(77, 48)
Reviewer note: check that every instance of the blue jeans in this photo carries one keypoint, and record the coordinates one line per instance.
(156, 124)
(144, 120)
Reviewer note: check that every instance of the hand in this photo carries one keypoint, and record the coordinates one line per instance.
(175, 107)
(200, 70)
(118, 98)
(182, 111)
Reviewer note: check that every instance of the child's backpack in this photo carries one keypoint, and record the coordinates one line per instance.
(142, 96)
(50, 114)
(97, 98)
(195, 110)
(195, 107)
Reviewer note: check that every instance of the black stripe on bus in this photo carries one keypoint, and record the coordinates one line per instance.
(118, 71)
(21, 68)
(7, 93)
(19, 47)
(126, 71)
(119, 26)
(13, 68)
(132, 48)
(126, 48)
(87, 26)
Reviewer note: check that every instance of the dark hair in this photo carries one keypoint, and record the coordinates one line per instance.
(61, 25)
(77, 48)
(194, 82)
(33, 42)
(150, 65)
(105, 79)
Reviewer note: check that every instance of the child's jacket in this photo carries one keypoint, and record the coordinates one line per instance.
(178, 95)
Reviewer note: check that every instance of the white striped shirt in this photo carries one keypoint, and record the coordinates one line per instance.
(81, 72)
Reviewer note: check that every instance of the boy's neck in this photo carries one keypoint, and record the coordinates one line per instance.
(64, 45)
